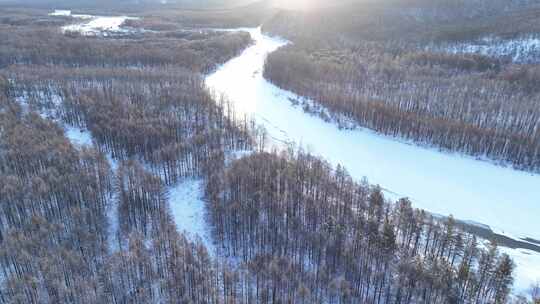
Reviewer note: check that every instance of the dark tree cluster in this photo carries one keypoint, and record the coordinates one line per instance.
(372, 64)
(71, 231)
(179, 131)
(310, 234)
(165, 118)
(142, 199)
(55, 218)
(407, 21)
(246, 14)
(140, 96)
(53, 202)
(47, 45)
(455, 102)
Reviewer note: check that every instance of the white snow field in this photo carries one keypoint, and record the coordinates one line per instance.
(93, 25)
(442, 183)
(64, 13)
(98, 25)
(188, 211)
(527, 267)
(78, 136)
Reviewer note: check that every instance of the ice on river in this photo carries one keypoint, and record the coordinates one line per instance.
(507, 200)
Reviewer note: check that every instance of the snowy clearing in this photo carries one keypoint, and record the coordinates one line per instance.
(505, 199)
(98, 25)
(77, 136)
(185, 200)
(188, 211)
(527, 267)
(64, 13)
(93, 25)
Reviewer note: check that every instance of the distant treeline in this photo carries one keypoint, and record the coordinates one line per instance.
(406, 21)
(48, 46)
(380, 74)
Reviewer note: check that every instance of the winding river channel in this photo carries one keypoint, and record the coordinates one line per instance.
(479, 192)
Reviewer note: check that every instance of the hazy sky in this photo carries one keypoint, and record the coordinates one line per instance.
(308, 4)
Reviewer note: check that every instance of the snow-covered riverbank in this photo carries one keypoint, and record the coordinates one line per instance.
(507, 200)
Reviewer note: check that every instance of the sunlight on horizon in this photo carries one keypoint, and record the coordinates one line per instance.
(310, 4)
(298, 4)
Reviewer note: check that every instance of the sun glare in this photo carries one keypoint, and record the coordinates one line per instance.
(298, 4)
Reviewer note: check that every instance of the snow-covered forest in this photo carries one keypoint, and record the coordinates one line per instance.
(57, 245)
(141, 160)
(417, 83)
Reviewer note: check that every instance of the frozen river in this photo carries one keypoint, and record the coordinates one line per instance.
(477, 191)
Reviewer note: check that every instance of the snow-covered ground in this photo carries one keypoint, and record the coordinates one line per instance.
(99, 25)
(63, 13)
(80, 137)
(188, 211)
(77, 136)
(93, 25)
(527, 267)
(525, 49)
(185, 199)
(507, 200)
